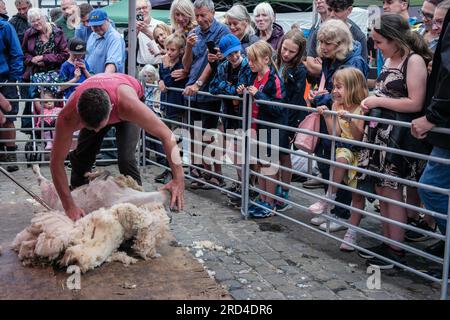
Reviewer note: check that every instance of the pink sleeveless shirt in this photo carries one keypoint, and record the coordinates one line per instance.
(109, 82)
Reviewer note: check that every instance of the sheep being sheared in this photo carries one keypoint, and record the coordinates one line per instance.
(94, 239)
(102, 191)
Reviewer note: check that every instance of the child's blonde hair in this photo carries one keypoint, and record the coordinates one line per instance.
(260, 50)
(165, 28)
(148, 69)
(177, 39)
(355, 85)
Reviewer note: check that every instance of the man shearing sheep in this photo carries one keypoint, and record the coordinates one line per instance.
(102, 101)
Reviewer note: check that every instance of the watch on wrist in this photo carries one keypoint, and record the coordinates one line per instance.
(199, 83)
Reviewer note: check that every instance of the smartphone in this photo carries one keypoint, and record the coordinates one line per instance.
(140, 17)
(211, 47)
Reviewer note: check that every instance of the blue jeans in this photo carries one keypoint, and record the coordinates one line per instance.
(438, 175)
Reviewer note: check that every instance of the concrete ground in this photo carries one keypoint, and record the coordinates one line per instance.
(272, 258)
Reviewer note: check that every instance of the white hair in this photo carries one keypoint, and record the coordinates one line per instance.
(149, 69)
(204, 3)
(264, 8)
(35, 14)
(239, 12)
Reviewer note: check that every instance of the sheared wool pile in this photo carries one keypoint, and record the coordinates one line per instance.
(95, 238)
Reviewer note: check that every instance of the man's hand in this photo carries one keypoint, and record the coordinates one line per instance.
(191, 40)
(191, 90)
(176, 189)
(240, 89)
(420, 127)
(75, 213)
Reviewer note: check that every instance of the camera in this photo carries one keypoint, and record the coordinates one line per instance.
(140, 17)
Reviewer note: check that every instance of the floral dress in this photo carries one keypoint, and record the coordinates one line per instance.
(391, 83)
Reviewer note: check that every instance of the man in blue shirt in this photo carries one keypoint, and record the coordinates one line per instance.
(83, 31)
(105, 46)
(200, 75)
(11, 69)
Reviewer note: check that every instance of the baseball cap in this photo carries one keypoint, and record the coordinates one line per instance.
(77, 46)
(229, 44)
(97, 17)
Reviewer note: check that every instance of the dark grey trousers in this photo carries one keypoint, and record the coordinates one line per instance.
(89, 143)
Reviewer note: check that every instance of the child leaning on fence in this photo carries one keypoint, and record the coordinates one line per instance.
(231, 73)
(349, 89)
(266, 85)
(174, 46)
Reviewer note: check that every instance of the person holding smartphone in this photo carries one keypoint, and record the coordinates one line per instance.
(145, 25)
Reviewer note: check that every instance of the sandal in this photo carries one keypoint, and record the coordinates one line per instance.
(215, 181)
(195, 173)
(197, 185)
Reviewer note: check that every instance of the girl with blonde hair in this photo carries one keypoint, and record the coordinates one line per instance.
(265, 85)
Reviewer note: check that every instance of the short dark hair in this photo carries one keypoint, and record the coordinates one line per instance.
(93, 106)
(85, 9)
(339, 4)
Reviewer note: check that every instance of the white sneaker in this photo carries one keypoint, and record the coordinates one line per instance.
(350, 236)
(322, 206)
(333, 226)
(319, 207)
(317, 221)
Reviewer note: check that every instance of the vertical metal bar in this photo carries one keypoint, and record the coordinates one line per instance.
(132, 37)
(191, 136)
(445, 270)
(144, 160)
(332, 158)
(247, 125)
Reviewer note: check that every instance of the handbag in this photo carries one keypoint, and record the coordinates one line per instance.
(304, 141)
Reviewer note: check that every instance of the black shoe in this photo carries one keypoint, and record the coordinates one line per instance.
(234, 188)
(413, 236)
(395, 255)
(436, 249)
(235, 202)
(163, 177)
(298, 178)
(11, 157)
(379, 249)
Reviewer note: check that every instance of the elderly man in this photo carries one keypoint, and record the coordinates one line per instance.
(105, 46)
(20, 20)
(67, 21)
(11, 69)
(145, 25)
(83, 31)
(100, 102)
(200, 75)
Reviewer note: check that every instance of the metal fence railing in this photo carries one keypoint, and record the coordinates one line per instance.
(237, 148)
(246, 171)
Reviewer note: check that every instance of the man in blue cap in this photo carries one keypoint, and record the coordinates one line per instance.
(105, 46)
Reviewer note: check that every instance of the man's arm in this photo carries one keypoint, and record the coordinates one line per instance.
(115, 56)
(132, 109)
(67, 123)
